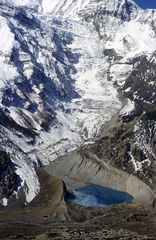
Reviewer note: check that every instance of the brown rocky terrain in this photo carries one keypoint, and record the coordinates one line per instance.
(52, 216)
(115, 145)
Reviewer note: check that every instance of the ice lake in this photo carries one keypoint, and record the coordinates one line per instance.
(95, 195)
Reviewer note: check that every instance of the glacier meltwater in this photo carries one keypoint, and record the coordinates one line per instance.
(95, 195)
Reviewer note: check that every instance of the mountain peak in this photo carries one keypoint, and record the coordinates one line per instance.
(71, 7)
(68, 7)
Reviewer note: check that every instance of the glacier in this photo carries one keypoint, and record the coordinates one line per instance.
(61, 63)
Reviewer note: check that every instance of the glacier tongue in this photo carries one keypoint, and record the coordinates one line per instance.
(99, 99)
(96, 102)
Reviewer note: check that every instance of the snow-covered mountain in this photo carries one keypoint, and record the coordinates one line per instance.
(62, 63)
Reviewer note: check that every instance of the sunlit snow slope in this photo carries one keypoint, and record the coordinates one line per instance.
(60, 64)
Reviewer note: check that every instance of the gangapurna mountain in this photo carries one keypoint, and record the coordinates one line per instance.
(66, 68)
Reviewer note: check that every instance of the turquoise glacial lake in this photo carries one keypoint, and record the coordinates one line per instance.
(95, 195)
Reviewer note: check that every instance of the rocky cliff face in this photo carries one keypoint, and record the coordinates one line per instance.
(64, 73)
(9, 180)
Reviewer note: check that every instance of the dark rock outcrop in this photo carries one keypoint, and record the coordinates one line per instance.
(9, 180)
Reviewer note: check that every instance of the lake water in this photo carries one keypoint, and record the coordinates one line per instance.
(95, 195)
